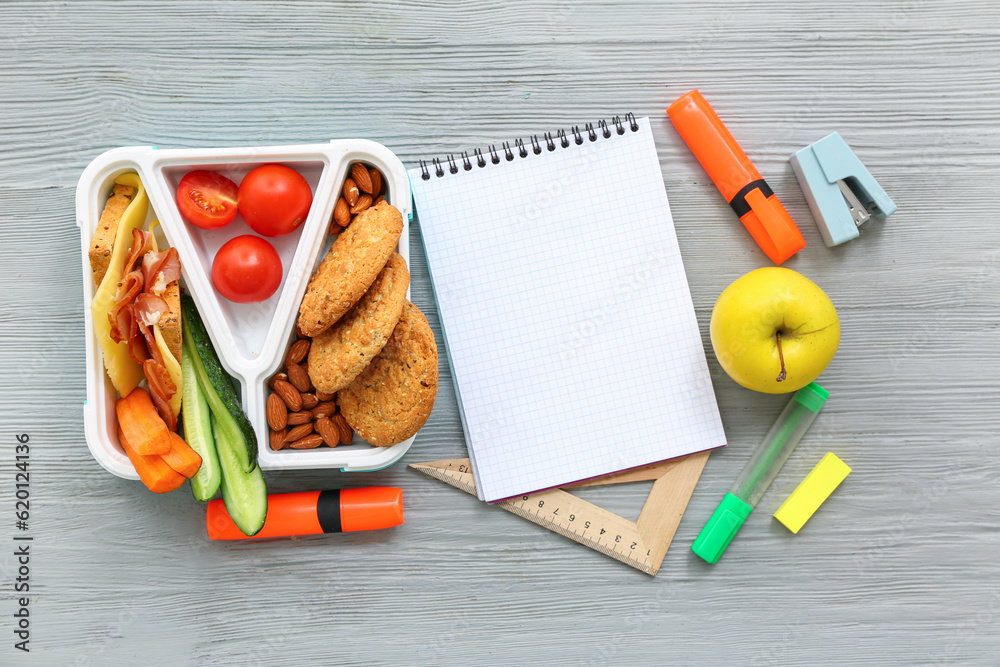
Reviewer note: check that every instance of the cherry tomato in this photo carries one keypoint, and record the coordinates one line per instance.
(246, 269)
(207, 199)
(274, 199)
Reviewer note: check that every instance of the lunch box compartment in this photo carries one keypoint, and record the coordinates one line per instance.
(249, 321)
(251, 339)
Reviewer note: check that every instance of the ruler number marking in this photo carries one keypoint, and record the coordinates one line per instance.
(564, 524)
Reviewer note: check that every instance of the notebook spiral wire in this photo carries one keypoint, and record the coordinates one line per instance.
(520, 148)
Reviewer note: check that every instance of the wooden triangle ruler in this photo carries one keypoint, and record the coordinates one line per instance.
(641, 544)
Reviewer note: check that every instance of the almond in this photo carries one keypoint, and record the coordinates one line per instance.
(380, 200)
(346, 434)
(277, 438)
(329, 432)
(323, 396)
(308, 442)
(289, 394)
(299, 378)
(277, 413)
(275, 378)
(299, 432)
(376, 177)
(351, 192)
(361, 176)
(300, 417)
(342, 213)
(309, 401)
(298, 351)
(364, 202)
(325, 409)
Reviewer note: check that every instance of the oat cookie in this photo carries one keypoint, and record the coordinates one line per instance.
(339, 354)
(394, 395)
(354, 260)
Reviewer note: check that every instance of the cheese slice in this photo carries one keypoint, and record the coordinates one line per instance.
(124, 372)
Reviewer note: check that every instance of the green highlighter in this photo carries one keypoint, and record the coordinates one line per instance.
(760, 471)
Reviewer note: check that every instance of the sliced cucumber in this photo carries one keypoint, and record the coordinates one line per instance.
(244, 493)
(217, 386)
(198, 431)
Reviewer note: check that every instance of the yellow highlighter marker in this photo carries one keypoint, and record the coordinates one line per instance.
(810, 494)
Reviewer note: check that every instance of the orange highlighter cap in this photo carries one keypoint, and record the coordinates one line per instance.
(736, 177)
(370, 508)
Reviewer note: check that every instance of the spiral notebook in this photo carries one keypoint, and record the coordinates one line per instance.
(565, 309)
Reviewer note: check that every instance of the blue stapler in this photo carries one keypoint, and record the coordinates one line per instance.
(841, 192)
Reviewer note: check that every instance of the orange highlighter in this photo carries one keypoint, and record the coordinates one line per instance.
(737, 179)
(315, 512)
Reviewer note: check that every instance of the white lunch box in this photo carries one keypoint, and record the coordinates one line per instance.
(250, 339)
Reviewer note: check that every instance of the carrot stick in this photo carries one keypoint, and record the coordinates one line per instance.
(181, 457)
(153, 470)
(143, 427)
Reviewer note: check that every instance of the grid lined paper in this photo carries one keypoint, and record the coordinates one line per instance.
(566, 313)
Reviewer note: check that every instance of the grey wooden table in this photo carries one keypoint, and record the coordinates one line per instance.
(902, 566)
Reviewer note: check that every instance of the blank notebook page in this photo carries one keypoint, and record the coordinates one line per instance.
(566, 313)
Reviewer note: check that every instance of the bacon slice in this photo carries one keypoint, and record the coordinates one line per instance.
(142, 242)
(130, 287)
(136, 342)
(150, 338)
(150, 308)
(159, 269)
(138, 307)
(161, 388)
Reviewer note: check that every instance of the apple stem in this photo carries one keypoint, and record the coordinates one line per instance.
(781, 357)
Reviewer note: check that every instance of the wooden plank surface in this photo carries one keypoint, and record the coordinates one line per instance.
(900, 566)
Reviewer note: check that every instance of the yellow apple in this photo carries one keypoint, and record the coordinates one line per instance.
(774, 330)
